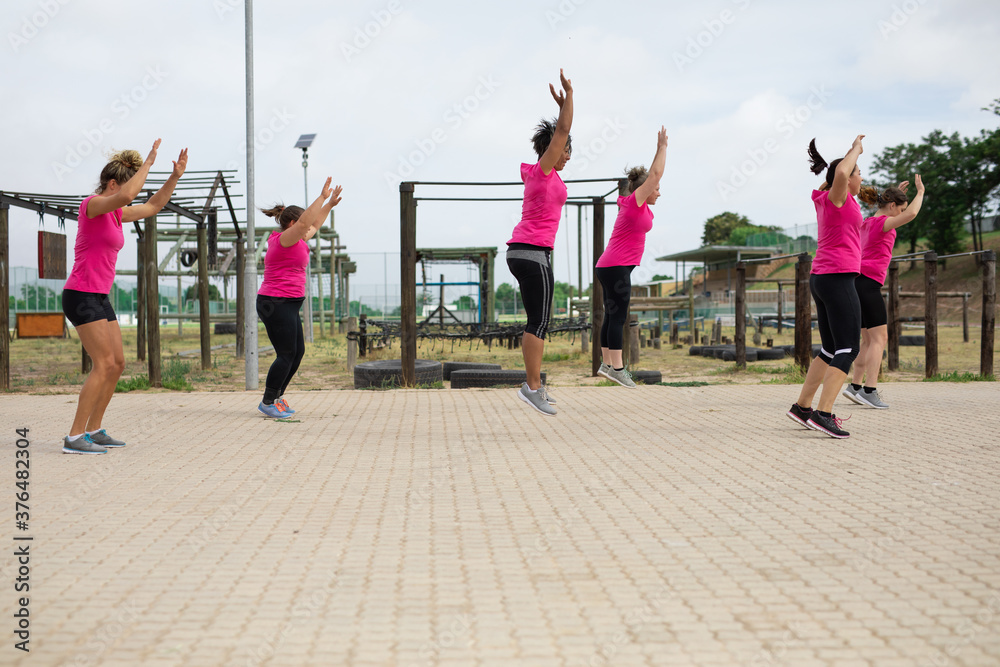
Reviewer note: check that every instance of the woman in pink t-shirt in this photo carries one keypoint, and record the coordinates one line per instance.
(530, 246)
(283, 291)
(838, 311)
(878, 236)
(624, 253)
(85, 296)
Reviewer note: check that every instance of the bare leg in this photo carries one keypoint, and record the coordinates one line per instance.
(97, 415)
(814, 378)
(833, 380)
(861, 363)
(877, 338)
(532, 349)
(611, 357)
(98, 341)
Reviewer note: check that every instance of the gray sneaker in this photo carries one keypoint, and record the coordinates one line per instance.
(851, 393)
(872, 399)
(603, 370)
(549, 398)
(82, 445)
(622, 377)
(104, 440)
(536, 399)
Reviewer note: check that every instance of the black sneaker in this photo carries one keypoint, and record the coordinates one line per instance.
(799, 414)
(829, 425)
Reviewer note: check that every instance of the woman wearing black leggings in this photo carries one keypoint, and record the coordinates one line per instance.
(624, 253)
(283, 290)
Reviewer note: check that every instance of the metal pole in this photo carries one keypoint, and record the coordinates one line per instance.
(309, 310)
(579, 250)
(250, 271)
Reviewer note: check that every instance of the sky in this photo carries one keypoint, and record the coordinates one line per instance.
(448, 91)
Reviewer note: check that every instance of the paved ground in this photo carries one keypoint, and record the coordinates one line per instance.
(661, 526)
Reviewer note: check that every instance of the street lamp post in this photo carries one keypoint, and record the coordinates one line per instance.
(304, 142)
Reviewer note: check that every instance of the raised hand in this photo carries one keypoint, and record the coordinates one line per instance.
(327, 190)
(857, 144)
(336, 196)
(180, 164)
(920, 183)
(151, 158)
(567, 89)
(661, 137)
(903, 186)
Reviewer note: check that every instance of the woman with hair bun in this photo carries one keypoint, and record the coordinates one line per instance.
(878, 236)
(283, 291)
(622, 255)
(85, 296)
(838, 310)
(530, 247)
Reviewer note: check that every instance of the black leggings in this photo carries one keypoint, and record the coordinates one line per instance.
(530, 266)
(280, 316)
(616, 282)
(839, 313)
(872, 306)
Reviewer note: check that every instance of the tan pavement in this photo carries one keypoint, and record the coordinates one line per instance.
(656, 526)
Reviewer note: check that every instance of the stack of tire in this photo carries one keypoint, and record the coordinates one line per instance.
(728, 352)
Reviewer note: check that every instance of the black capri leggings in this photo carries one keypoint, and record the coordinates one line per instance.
(616, 282)
(872, 306)
(280, 316)
(530, 266)
(839, 313)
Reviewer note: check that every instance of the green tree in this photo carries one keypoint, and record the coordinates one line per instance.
(505, 293)
(719, 227)
(660, 276)
(191, 293)
(739, 235)
(464, 302)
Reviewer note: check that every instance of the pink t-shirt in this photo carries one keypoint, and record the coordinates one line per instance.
(98, 241)
(544, 197)
(628, 239)
(839, 248)
(284, 268)
(876, 248)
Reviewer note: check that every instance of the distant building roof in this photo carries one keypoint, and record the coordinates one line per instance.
(714, 254)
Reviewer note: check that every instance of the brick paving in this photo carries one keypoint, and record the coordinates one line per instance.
(657, 526)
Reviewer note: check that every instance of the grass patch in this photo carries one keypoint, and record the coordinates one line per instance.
(135, 383)
(555, 356)
(693, 383)
(956, 376)
(174, 375)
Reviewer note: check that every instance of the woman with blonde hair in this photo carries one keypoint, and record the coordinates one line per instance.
(283, 291)
(85, 296)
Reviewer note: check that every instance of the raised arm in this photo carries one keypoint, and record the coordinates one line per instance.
(652, 181)
(910, 212)
(127, 191)
(564, 98)
(838, 189)
(156, 203)
(312, 218)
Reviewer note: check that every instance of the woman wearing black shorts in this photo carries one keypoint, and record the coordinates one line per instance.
(878, 236)
(85, 297)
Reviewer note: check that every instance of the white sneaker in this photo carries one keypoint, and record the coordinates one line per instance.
(536, 399)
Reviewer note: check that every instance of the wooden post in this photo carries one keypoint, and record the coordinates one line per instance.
(741, 315)
(140, 301)
(203, 319)
(585, 342)
(151, 264)
(362, 339)
(691, 311)
(408, 282)
(675, 333)
(319, 280)
(596, 291)
(241, 314)
(632, 337)
(5, 298)
(803, 312)
(441, 301)
(781, 304)
(930, 314)
(965, 317)
(895, 328)
(989, 312)
(352, 345)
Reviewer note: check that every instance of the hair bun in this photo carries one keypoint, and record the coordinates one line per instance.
(130, 159)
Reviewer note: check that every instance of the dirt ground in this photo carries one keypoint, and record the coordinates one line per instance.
(52, 366)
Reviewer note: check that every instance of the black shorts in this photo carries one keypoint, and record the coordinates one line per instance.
(530, 265)
(86, 307)
(872, 305)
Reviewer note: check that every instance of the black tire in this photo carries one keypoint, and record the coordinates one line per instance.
(695, 350)
(467, 379)
(225, 327)
(728, 355)
(647, 377)
(917, 341)
(450, 366)
(719, 351)
(772, 354)
(389, 373)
